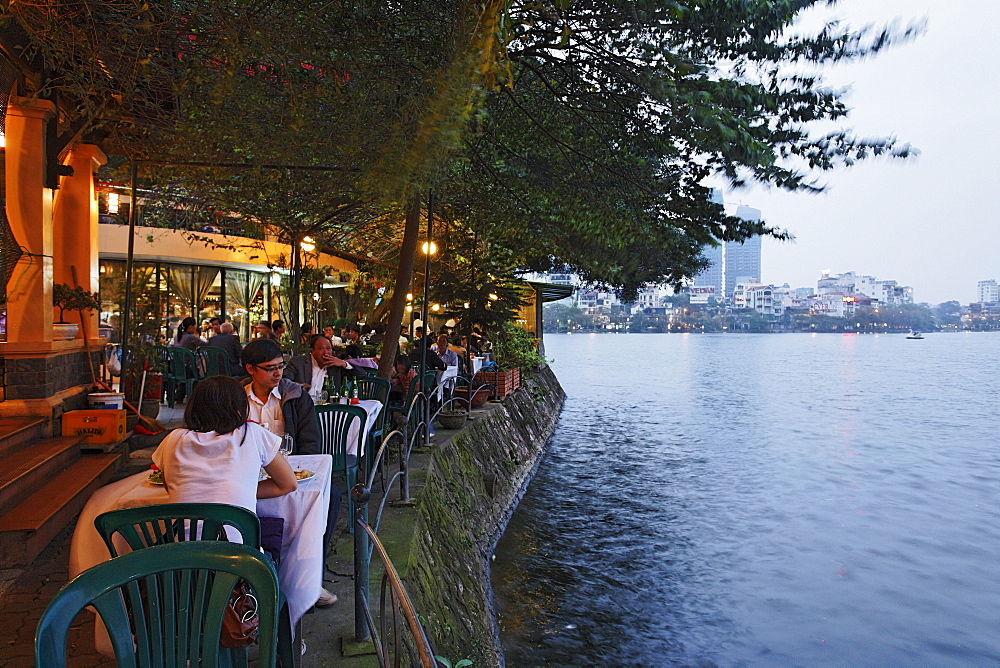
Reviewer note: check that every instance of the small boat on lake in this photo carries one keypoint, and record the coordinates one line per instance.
(914, 334)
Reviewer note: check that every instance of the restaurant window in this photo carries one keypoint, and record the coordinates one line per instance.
(244, 299)
(146, 309)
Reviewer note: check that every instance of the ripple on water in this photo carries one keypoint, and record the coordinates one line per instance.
(761, 500)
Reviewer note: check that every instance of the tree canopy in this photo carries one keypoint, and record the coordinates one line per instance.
(571, 133)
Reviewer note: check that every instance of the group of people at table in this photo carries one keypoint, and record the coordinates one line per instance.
(234, 428)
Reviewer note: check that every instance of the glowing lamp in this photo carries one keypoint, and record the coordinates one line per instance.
(429, 248)
(113, 202)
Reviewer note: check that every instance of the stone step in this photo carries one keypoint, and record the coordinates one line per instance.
(29, 526)
(16, 431)
(28, 468)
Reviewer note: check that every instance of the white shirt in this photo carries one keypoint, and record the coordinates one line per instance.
(269, 413)
(318, 378)
(208, 467)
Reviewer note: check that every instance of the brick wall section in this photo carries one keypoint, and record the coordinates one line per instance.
(38, 378)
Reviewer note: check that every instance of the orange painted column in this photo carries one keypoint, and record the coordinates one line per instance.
(75, 227)
(29, 209)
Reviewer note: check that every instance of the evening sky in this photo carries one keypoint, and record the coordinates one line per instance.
(930, 221)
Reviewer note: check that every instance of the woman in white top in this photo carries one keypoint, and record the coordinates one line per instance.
(217, 459)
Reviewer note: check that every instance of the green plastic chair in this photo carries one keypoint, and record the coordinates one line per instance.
(163, 605)
(376, 388)
(146, 526)
(334, 427)
(429, 380)
(215, 361)
(182, 369)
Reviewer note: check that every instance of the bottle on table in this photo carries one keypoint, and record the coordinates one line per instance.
(333, 390)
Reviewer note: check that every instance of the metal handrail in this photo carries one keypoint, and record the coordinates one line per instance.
(415, 429)
(393, 593)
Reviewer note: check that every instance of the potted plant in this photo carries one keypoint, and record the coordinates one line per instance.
(514, 349)
(452, 419)
(480, 393)
(65, 299)
(140, 356)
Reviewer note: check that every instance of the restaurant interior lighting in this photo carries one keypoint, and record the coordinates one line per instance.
(113, 202)
(429, 248)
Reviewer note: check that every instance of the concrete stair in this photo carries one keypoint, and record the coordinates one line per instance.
(44, 483)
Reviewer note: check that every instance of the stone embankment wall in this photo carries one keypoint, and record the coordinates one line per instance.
(472, 487)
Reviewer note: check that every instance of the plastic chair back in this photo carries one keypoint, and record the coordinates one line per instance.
(163, 605)
(373, 387)
(215, 361)
(334, 428)
(146, 526)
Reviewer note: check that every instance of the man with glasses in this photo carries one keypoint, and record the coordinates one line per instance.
(286, 408)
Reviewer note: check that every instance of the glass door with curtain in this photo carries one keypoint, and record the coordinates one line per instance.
(207, 293)
(244, 298)
(146, 307)
(180, 295)
(236, 301)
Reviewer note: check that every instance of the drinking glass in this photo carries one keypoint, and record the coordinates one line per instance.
(287, 445)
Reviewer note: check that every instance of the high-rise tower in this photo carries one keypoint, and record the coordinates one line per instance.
(731, 262)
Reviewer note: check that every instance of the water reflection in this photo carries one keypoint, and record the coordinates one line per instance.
(761, 500)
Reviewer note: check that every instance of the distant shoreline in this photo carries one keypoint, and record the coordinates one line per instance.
(902, 332)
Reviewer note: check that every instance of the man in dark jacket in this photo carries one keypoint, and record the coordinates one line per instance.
(230, 343)
(313, 369)
(285, 408)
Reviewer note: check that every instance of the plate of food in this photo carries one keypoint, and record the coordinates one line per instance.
(155, 477)
(300, 474)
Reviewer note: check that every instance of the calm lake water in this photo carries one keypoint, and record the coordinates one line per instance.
(788, 499)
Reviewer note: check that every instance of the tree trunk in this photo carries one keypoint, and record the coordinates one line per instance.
(404, 272)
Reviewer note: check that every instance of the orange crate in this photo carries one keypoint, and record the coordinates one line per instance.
(99, 426)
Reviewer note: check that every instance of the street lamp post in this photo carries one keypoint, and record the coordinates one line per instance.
(429, 249)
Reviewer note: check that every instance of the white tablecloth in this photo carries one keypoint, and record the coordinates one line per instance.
(304, 511)
(477, 364)
(445, 381)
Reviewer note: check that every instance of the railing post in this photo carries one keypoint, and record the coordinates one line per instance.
(404, 470)
(427, 419)
(360, 494)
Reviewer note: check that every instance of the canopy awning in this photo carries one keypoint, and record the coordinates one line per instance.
(551, 292)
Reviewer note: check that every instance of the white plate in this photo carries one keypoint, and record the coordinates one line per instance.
(310, 476)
